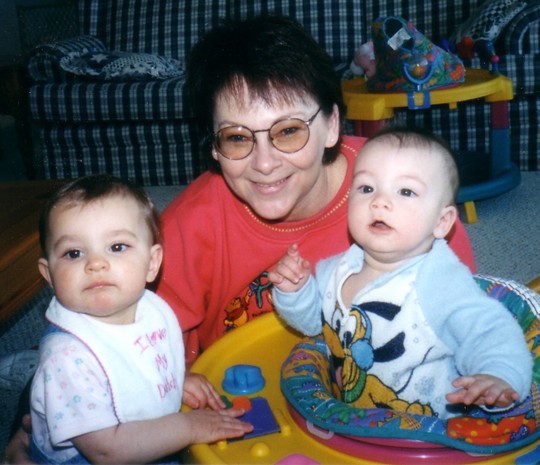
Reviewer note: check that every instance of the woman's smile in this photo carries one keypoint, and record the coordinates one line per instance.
(271, 187)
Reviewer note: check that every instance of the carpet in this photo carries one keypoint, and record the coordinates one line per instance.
(506, 237)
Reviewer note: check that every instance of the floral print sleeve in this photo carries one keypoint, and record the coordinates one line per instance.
(70, 392)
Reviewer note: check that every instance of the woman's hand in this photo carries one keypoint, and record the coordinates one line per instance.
(18, 448)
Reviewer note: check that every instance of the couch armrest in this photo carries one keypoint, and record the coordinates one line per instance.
(44, 61)
(521, 35)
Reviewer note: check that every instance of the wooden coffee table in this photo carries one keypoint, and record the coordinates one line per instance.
(20, 206)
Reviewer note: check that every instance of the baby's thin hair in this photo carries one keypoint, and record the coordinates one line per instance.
(87, 189)
(411, 137)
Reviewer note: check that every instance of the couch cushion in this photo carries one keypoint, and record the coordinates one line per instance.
(523, 70)
(109, 101)
(171, 28)
(337, 26)
(435, 19)
(151, 154)
(163, 27)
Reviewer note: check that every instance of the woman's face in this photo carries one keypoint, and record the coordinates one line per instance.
(277, 186)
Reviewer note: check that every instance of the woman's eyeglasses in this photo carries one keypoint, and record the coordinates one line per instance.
(288, 135)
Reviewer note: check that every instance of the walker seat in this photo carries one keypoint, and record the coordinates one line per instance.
(306, 382)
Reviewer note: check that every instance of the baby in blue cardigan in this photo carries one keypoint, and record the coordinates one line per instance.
(405, 323)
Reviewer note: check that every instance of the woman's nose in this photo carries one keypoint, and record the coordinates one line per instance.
(265, 157)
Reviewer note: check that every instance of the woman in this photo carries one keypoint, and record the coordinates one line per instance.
(270, 102)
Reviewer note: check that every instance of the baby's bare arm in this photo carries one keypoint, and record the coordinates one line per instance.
(291, 272)
(483, 390)
(146, 441)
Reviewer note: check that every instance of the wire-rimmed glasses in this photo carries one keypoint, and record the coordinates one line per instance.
(287, 135)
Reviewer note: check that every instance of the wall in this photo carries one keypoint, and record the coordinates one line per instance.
(9, 34)
(45, 21)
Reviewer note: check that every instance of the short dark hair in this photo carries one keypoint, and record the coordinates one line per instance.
(274, 56)
(412, 136)
(84, 190)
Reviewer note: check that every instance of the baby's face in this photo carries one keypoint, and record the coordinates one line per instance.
(100, 257)
(398, 201)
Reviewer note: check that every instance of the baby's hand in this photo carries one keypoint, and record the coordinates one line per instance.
(208, 426)
(291, 272)
(483, 390)
(199, 393)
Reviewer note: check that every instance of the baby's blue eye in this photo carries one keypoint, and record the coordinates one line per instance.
(365, 189)
(118, 247)
(407, 193)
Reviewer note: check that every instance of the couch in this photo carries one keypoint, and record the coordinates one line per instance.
(139, 125)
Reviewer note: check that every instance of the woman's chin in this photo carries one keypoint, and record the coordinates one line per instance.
(271, 212)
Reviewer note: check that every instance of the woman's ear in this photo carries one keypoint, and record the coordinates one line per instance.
(43, 267)
(447, 219)
(156, 257)
(333, 128)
